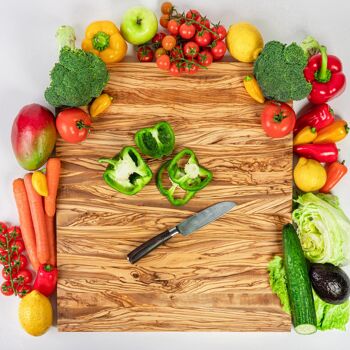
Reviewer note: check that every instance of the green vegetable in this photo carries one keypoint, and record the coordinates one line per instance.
(157, 141)
(329, 316)
(185, 171)
(171, 192)
(127, 172)
(323, 228)
(279, 71)
(78, 77)
(298, 283)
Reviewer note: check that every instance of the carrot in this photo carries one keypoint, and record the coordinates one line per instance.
(50, 228)
(38, 217)
(53, 168)
(25, 220)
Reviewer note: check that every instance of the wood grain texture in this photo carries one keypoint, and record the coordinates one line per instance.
(213, 280)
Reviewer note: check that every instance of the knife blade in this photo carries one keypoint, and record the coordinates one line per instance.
(186, 227)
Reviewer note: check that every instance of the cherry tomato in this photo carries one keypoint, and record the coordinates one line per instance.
(191, 49)
(163, 62)
(203, 21)
(24, 276)
(175, 69)
(3, 228)
(14, 232)
(159, 52)
(23, 290)
(173, 27)
(6, 288)
(203, 38)
(177, 52)
(73, 125)
(3, 257)
(17, 246)
(168, 42)
(3, 243)
(145, 54)
(157, 39)
(187, 30)
(164, 20)
(192, 14)
(277, 119)
(191, 67)
(205, 58)
(166, 7)
(218, 50)
(220, 32)
(6, 272)
(19, 261)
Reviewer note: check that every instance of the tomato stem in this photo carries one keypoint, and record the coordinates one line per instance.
(9, 256)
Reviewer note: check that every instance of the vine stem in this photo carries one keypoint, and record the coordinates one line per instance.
(9, 256)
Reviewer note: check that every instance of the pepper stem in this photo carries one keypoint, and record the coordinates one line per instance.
(100, 41)
(324, 74)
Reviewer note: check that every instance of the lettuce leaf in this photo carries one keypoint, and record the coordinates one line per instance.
(323, 229)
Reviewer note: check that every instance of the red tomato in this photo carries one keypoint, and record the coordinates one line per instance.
(277, 119)
(187, 30)
(15, 231)
(203, 38)
(159, 52)
(192, 14)
(145, 54)
(19, 261)
(157, 39)
(177, 52)
(24, 276)
(203, 21)
(3, 242)
(191, 49)
(6, 288)
(17, 246)
(220, 32)
(168, 42)
(173, 27)
(164, 20)
(73, 125)
(163, 62)
(6, 273)
(205, 58)
(166, 7)
(191, 67)
(175, 69)
(23, 290)
(3, 257)
(3, 228)
(218, 50)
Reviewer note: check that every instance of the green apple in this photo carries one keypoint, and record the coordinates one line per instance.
(139, 25)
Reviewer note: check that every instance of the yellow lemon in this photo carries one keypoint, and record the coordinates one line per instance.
(244, 42)
(39, 183)
(35, 313)
(309, 175)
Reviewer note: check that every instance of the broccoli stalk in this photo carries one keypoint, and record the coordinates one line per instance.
(65, 36)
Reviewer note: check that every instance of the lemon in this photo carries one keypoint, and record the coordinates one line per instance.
(35, 313)
(244, 42)
(39, 183)
(309, 175)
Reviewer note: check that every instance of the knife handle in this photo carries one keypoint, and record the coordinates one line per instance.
(151, 244)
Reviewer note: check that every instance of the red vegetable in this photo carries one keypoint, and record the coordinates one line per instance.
(325, 73)
(323, 153)
(317, 117)
(6, 288)
(46, 280)
(3, 228)
(335, 172)
(23, 290)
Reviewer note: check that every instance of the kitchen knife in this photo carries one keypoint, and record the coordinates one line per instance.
(186, 227)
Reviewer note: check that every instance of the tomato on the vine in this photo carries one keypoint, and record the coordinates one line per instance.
(163, 62)
(169, 42)
(159, 52)
(202, 21)
(218, 49)
(191, 49)
(277, 119)
(205, 58)
(24, 276)
(220, 32)
(23, 290)
(203, 38)
(14, 232)
(3, 242)
(177, 52)
(175, 69)
(17, 246)
(187, 30)
(164, 20)
(166, 7)
(173, 27)
(6, 288)
(3, 228)
(191, 67)
(192, 14)
(157, 39)
(19, 261)
(6, 273)
(145, 54)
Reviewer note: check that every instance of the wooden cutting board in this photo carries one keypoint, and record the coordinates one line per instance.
(213, 280)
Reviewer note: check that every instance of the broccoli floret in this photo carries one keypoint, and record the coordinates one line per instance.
(279, 71)
(78, 77)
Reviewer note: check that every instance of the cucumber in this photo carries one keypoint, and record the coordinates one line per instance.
(298, 283)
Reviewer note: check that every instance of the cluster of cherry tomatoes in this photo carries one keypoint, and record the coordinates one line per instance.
(16, 277)
(193, 42)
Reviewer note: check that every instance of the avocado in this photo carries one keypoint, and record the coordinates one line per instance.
(330, 283)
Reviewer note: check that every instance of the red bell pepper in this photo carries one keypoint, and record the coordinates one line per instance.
(46, 279)
(325, 74)
(317, 117)
(323, 153)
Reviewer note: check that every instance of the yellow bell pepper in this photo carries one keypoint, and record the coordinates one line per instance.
(104, 40)
(333, 133)
(100, 104)
(253, 89)
(305, 135)
(39, 183)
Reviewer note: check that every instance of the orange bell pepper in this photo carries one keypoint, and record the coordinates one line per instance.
(335, 172)
(333, 132)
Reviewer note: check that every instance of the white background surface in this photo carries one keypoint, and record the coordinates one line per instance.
(28, 51)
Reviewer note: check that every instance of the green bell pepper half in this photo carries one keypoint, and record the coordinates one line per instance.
(127, 172)
(156, 141)
(190, 176)
(169, 193)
